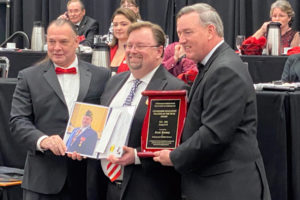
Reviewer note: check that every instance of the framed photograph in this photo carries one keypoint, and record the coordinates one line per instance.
(97, 131)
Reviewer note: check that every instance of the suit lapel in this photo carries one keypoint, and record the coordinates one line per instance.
(85, 80)
(51, 78)
(158, 82)
(81, 25)
(117, 85)
(206, 68)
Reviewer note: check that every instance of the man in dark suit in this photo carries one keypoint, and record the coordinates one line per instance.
(41, 104)
(291, 70)
(86, 26)
(219, 156)
(83, 139)
(140, 178)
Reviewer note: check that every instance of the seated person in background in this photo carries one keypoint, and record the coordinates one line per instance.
(121, 19)
(291, 71)
(132, 5)
(86, 26)
(282, 12)
(175, 61)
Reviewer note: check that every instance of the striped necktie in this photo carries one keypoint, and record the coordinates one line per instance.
(114, 171)
(130, 96)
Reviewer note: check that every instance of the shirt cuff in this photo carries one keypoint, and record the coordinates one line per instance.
(38, 144)
(137, 160)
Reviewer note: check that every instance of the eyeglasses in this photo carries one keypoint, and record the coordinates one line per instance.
(138, 47)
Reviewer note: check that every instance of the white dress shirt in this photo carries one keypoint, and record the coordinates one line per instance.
(119, 100)
(69, 84)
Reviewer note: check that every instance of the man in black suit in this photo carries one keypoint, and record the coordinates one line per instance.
(291, 70)
(140, 178)
(86, 26)
(219, 156)
(41, 104)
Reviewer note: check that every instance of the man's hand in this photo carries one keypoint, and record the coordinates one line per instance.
(126, 159)
(55, 144)
(163, 157)
(179, 52)
(75, 156)
(64, 16)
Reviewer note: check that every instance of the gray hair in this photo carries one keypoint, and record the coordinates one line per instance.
(207, 15)
(79, 1)
(284, 6)
(61, 22)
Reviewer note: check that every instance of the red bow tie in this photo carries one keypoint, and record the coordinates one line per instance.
(60, 70)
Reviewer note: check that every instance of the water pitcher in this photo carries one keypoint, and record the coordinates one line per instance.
(38, 36)
(273, 39)
(100, 56)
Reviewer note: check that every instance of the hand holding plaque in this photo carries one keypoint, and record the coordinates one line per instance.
(164, 121)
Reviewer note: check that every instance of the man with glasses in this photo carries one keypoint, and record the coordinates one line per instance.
(139, 178)
(86, 26)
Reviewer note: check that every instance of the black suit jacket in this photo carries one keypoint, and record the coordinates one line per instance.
(149, 180)
(88, 27)
(291, 70)
(39, 108)
(219, 156)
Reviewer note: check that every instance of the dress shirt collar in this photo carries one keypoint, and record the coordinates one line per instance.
(78, 23)
(146, 79)
(207, 57)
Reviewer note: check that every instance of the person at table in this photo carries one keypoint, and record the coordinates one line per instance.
(121, 19)
(138, 178)
(291, 70)
(281, 11)
(40, 110)
(130, 4)
(219, 156)
(175, 60)
(86, 26)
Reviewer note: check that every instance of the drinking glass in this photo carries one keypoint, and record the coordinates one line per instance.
(238, 42)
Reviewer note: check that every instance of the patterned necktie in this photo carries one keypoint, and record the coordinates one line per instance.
(130, 96)
(114, 171)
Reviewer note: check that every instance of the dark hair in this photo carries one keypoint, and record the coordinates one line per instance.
(157, 31)
(135, 3)
(129, 14)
